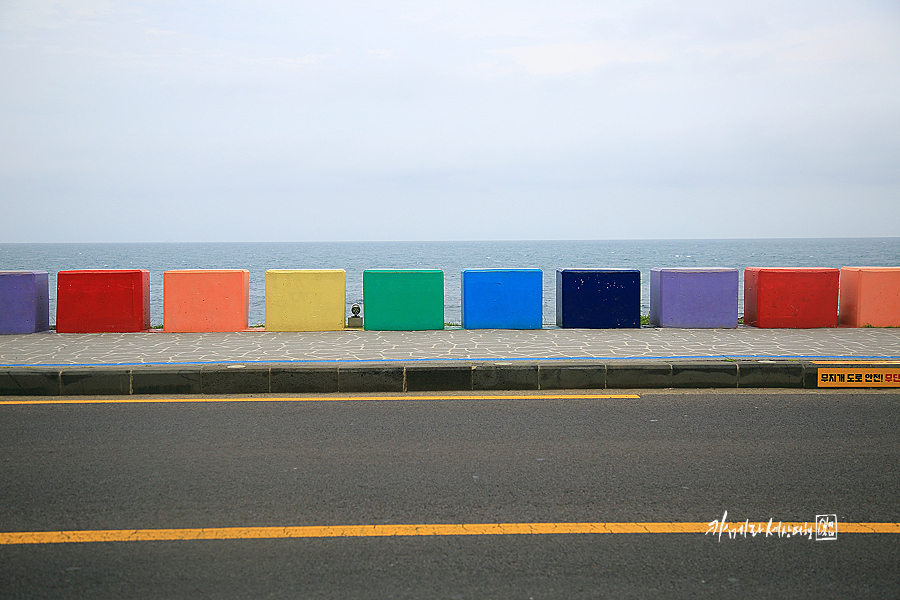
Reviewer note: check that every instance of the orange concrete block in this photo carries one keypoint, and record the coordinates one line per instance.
(206, 300)
(870, 296)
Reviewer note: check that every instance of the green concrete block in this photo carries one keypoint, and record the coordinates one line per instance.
(403, 300)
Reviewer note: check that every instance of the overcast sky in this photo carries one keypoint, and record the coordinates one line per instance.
(305, 121)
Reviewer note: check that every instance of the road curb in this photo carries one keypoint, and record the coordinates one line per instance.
(416, 377)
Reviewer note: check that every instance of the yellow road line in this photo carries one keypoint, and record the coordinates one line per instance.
(324, 399)
(336, 531)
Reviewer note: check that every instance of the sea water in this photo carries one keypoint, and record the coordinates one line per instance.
(450, 257)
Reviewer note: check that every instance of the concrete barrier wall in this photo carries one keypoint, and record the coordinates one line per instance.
(24, 301)
(502, 298)
(403, 300)
(694, 298)
(870, 296)
(314, 300)
(103, 301)
(305, 299)
(206, 300)
(598, 298)
(791, 298)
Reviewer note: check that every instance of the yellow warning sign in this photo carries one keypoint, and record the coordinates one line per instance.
(849, 378)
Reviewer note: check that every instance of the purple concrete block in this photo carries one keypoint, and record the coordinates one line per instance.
(701, 298)
(24, 301)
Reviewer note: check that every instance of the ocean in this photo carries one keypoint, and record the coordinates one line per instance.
(451, 257)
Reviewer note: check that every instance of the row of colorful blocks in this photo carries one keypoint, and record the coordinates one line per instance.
(314, 300)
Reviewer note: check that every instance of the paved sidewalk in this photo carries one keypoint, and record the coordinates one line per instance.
(257, 362)
(354, 346)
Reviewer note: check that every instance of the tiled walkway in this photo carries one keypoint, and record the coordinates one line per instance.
(451, 344)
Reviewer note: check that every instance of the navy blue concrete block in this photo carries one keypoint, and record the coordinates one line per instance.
(598, 298)
(502, 298)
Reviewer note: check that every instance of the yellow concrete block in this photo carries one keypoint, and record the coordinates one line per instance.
(305, 299)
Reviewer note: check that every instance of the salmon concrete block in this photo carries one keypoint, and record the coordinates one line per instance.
(870, 296)
(403, 300)
(598, 298)
(206, 300)
(790, 297)
(98, 301)
(502, 298)
(305, 300)
(24, 301)
(701, 298)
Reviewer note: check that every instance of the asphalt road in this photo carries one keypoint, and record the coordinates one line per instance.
(663, 457)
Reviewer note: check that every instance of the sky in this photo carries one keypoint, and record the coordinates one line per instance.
(158, 121)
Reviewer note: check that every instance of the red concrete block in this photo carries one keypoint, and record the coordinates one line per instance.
(870, 296)
(790, 297)
(206, 300)
(98, 301)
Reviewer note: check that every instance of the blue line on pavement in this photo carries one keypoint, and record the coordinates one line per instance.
(484, 359)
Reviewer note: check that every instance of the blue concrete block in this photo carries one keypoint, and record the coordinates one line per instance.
(502, 298)
(24, 301)
(598, 298)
